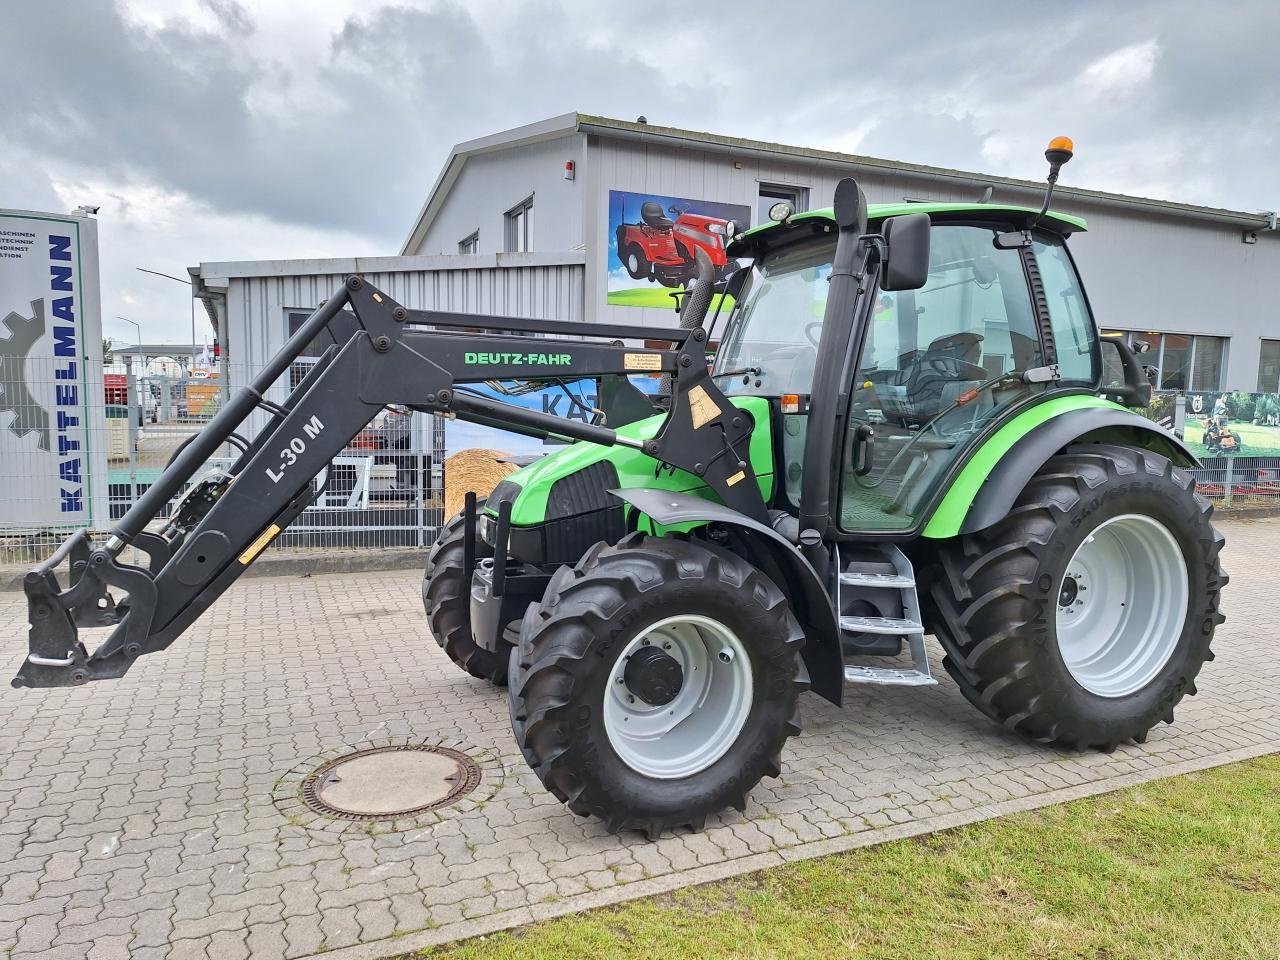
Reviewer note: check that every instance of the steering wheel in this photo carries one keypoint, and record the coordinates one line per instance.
(813, 338)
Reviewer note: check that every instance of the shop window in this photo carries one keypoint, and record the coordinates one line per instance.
(520, 227)
(470, 245)
(1182, 361)
(1269, 367)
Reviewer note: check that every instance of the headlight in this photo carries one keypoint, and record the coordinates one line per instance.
(780, 212)
(717, 228)
(485, 528)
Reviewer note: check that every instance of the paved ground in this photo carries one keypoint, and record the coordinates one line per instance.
(153, 817)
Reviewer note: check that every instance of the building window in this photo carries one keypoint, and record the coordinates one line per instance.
(771, 193)
(1182, 361)
(310, 353)
(1269, 367)
(470, 244)
(520, 227)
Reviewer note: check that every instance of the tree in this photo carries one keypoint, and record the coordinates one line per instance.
(106, 349)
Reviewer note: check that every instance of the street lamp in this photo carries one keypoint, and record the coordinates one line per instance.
(186, 283)
(137, 325)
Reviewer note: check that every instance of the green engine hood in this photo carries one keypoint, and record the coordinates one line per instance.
(635, 469)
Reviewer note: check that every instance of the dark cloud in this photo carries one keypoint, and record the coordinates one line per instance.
(242, 115)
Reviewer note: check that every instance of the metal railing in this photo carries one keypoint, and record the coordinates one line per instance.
(385, 489)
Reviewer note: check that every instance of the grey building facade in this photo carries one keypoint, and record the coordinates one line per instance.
(1200, 284)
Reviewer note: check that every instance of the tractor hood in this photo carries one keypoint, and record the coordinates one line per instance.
(576, 478)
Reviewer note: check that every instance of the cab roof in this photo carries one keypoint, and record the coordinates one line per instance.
(1064, 223)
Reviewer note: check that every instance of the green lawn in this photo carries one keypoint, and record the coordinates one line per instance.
(657, 296)
(1180, 869)
(1256, 440)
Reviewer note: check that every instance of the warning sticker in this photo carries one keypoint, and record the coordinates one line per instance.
(642, 361)
(259, 545)
(701, 407)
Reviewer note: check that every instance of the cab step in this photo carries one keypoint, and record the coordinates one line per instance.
(895, 581)
(888, 626)
(890, 676)
(881, 580)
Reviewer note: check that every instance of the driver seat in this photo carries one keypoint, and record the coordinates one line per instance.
(652, 215)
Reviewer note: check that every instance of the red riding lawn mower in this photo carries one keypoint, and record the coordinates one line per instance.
(666, 250)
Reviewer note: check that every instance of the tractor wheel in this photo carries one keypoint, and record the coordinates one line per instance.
(656, 683)
(635, 262)
(1084, 616)
(447, 599)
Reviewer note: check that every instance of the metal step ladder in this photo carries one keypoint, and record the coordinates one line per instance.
(869, 579)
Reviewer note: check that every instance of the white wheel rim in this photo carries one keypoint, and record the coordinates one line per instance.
(1122, 605)
(633, 264)
(693, 731)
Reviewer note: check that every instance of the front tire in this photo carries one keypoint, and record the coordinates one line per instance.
(633, 635)
(446, 596)
(1084, 616)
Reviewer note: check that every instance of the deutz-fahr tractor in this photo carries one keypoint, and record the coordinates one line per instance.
(905, 432)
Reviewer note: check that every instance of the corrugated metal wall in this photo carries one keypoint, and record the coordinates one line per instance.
(259, 296)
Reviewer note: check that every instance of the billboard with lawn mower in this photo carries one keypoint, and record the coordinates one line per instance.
(1233, 423)
(653, 242)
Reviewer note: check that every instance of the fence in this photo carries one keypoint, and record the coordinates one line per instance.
(385, 489)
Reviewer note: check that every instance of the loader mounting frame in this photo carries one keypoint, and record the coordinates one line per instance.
(382, 353)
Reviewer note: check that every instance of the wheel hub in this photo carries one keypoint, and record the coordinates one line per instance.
(1122, 605)
(678, 696)
(653, 675)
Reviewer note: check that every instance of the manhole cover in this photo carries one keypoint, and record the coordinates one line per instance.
(385, 783)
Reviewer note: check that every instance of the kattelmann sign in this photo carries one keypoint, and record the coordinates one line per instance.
(52, 427)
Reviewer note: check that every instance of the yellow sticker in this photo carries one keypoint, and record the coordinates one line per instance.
(642, 361)
(736, 478)
(701, 407)
(260, 544)
(377, 297)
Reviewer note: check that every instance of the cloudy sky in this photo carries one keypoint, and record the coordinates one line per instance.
(223, 130)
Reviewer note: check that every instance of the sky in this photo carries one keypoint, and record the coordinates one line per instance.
(212, 130)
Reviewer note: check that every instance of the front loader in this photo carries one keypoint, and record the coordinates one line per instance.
(906, 431)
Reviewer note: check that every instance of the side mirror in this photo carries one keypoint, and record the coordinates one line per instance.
(1136, 390)
(906, 265)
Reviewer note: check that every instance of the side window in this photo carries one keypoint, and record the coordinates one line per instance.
(1073, 331)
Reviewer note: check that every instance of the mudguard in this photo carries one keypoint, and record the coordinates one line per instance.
(1096, 424)
(809, 598)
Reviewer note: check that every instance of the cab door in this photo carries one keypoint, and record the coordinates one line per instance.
(936, 367)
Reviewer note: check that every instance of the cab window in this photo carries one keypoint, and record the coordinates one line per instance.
(1074, 336)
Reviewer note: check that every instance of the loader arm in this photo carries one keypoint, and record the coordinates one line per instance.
(382, 353)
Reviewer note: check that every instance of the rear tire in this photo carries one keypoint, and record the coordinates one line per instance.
(635, 262)
(1008, 604)
(572, 675)
(446, 596)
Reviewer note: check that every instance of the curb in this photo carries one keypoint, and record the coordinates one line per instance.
(401, 946)
(296, 565)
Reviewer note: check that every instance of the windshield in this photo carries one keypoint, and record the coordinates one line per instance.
(772, 347)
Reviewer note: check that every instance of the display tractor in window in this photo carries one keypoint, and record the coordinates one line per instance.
(905, 432)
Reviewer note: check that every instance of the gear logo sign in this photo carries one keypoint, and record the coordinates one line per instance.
(15, 397)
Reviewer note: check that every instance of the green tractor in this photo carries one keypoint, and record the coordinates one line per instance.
(936, 454)
(905, 432)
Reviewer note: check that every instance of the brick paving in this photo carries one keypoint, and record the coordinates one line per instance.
(150, 817)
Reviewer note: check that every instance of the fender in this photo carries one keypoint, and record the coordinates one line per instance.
(1101, 423)
(809, 598)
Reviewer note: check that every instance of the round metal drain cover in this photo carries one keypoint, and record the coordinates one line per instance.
(386, 783)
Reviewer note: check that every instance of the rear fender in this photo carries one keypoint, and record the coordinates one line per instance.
(780, 559)
(1102, 424)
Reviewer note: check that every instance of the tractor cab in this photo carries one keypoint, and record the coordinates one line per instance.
(927, 371)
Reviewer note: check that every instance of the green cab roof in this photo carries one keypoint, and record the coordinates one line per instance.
(880, 211)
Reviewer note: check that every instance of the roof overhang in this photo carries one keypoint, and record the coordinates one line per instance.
(552, 129)
(850, 163)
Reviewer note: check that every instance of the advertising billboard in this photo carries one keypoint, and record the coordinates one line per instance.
(52, 427)
(653, 242)
(1233, 423)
